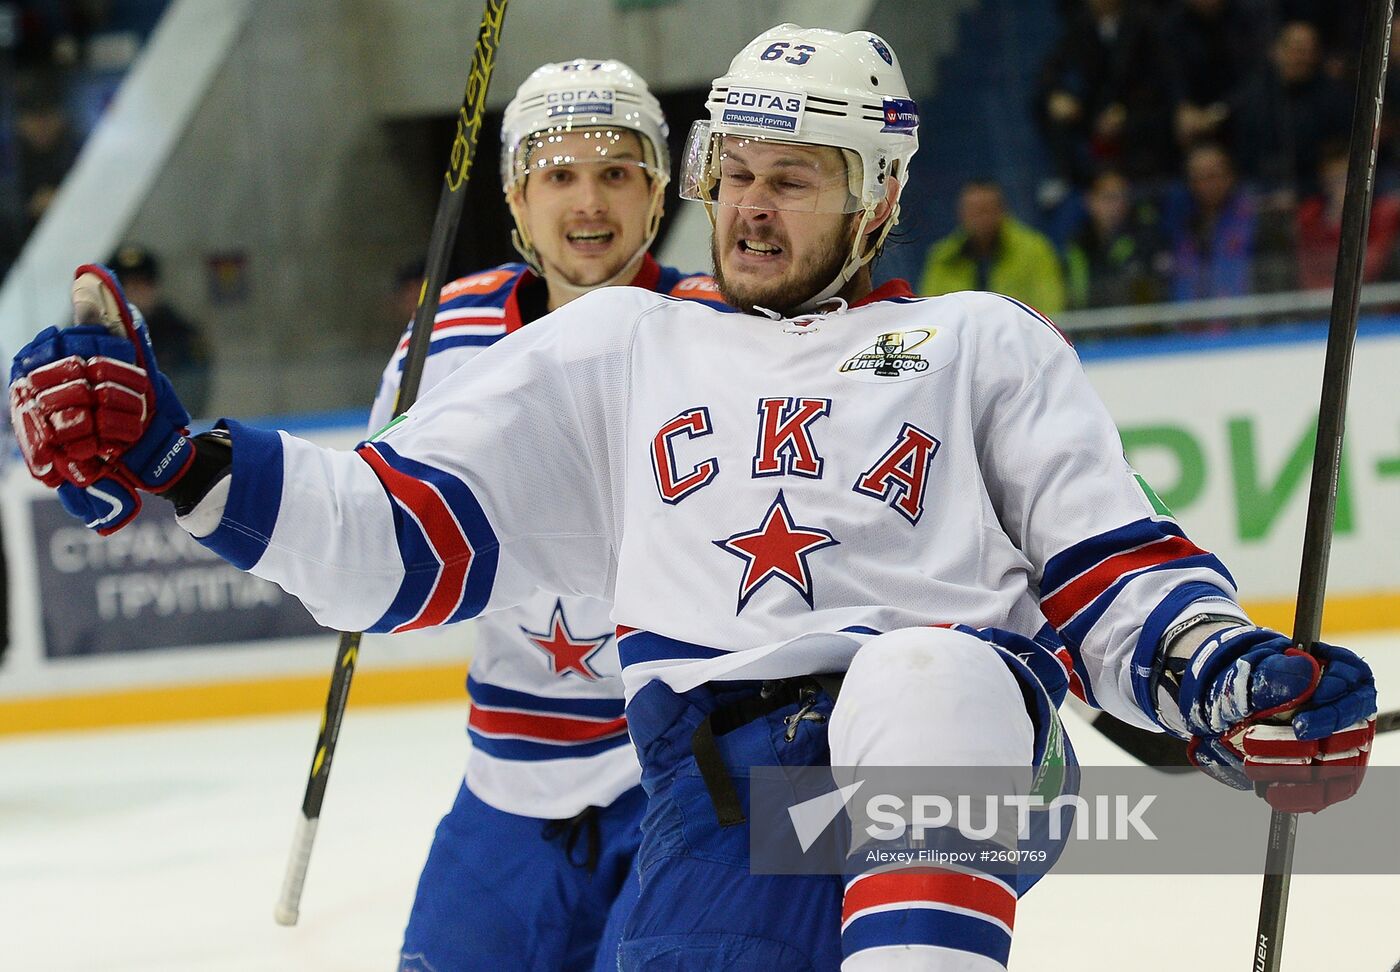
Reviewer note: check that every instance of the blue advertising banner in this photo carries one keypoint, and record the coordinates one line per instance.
(147, 586)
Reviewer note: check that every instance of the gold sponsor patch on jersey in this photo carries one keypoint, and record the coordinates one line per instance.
(898, 355)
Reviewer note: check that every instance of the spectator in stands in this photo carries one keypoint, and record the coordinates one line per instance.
(46, 145)
(184, 355)
(1339, 26)
(1283, 114)
(1114, 258)
(1213, 46)
(1100, 99)
(1210, 226)
(992, 251)
(1319, 227)
(45, 34)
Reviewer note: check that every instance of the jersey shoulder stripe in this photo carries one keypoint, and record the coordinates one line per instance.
(698, 287)
(481, 325)
(471, 314)
(487, 288)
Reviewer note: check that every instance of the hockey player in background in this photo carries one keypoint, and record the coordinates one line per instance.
(531, 862)
(810, 488)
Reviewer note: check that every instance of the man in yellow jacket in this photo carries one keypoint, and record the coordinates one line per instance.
(992, 251)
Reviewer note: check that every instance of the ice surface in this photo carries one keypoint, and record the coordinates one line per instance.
(162, 850)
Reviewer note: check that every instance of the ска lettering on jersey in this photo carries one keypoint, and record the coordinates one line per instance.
(787, 445)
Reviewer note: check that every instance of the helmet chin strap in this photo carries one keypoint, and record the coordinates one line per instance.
(854, 260)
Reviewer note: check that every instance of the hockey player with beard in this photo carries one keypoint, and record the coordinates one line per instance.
(840, 480)
(535, 857)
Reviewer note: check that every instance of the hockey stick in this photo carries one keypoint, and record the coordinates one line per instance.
(1331, 418)
(449, 215)
(1160, 750)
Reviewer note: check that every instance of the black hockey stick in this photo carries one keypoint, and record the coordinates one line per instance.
(1336, 379)
(1160, 750)
(449, 215)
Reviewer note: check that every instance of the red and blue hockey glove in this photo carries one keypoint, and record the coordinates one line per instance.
(1265, 715)
(90, 407)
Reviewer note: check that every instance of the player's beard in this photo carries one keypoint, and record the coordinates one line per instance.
(785, 295)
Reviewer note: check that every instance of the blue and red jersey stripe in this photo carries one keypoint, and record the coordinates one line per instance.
(1079, 583)
(511, 724)
(933, 907)
(448, 548)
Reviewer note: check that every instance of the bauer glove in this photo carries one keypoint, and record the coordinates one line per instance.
(1262, 713)
(91, 410)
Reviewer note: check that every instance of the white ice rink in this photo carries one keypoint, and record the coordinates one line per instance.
(162, 850)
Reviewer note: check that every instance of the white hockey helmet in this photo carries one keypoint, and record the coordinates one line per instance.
(601, 97)
(811, 86)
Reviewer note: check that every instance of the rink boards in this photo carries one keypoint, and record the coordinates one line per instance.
(147, 626)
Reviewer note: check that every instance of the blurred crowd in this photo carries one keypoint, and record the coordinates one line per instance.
(60, 63)
(1199, 150)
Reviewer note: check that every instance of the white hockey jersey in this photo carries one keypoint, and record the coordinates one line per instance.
(755, 496)
(546, 722)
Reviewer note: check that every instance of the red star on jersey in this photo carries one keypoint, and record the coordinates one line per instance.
(778, 548)
(567, 654)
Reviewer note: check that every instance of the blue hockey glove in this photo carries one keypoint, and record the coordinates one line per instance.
(1266, 715)
(89, 404)
(106, 506)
